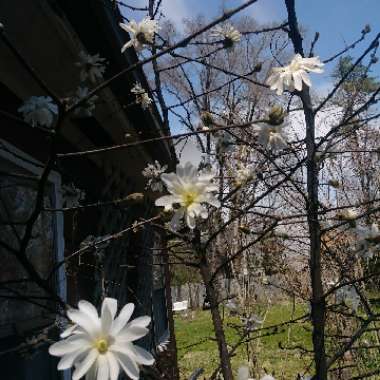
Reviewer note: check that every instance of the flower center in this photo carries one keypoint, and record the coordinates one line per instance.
(140, 36)
(101, 345)
(188, 198)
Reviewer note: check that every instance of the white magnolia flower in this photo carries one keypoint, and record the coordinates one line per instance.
(292, 76)
(87, 108)
(153, 174)
(71, 195)
(244, 175)
(228, 33)
(92, 67)
(39, 110)
(141, 33)
(99, 347)
(368, 240)
(142, 97)
(225, 143)
(348, 295)
(267, 377)
(271, 137)
(243, 373)
(188, 189)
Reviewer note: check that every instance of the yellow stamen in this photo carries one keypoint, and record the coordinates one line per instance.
(101, 345)
(189, 198)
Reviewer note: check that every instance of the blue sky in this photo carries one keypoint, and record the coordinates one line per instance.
(339, 22)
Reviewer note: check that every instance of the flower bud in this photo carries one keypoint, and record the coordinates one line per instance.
(334, 183)
(243, 228)
(207, 118)
(276, 115)
(135, 198)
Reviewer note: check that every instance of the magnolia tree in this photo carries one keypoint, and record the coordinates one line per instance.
(287, 184)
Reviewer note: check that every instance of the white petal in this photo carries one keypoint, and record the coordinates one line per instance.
(84, 321)
(122, 319)
(106, 319)
(70, 330)
(143, 356)
(69, 345)
(85, 364)
(129, 365)
(132, 333)
(111, 303)
(103, 369)
(67, 361)
(113, 366)
(140, 321)
(88, 308)
(190, 221)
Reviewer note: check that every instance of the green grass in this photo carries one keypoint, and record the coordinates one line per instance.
(196, 349)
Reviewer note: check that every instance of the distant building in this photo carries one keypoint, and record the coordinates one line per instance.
(50, 34)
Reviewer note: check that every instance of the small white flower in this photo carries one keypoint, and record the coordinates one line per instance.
(88, 107)
(142, 97)
(225, 143)
(141, 33)
(368, 240)
(39, 110)
(267, 377)
(292, 76)
(188, 189)
(92, 67)
(244, 175)
(153, 173)
(99, 347)
(228, 33)
(272, 137)
(243, 373)
(71, 195)
(349, 296)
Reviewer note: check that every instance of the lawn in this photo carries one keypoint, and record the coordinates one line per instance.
(273, 352)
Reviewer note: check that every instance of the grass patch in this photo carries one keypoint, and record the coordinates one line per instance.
(197, 347)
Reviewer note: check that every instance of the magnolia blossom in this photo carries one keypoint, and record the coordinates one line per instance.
(228, 33)
(142, 97)
(272, 137)
(368, 240)
(39, 110)
(225, 143)
(141, 33)
(87, 108)
(153, 173)
(348, 295)
(292, 76)
(99, 347)
(92, 67)
(189, 189)
(244, 174)
(243, 374)
(71, 195)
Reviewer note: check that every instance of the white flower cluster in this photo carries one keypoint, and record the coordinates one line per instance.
(243, 374)
(141, 33)
(92, 67)
(142, 97)
(272, 137)
(228, 33)
(88, 107)
(71, 195)
(188, 189)
(39, 110)
(153, 173)
(349, 296)
(292, 76)
(99, 347)
(368, 240)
